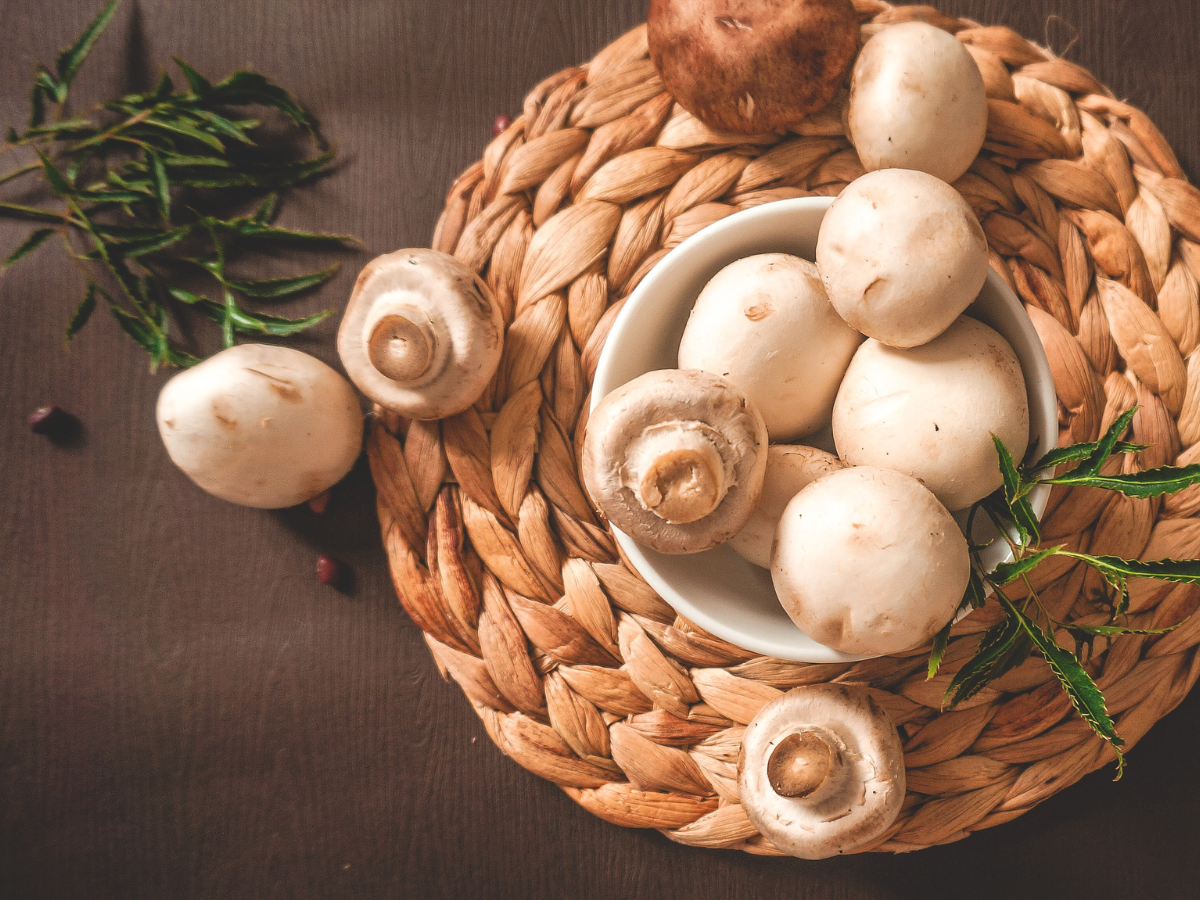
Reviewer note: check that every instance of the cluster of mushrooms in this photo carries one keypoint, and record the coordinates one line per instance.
(871, 339)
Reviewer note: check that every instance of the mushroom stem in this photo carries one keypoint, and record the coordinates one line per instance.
(800, 764)
(401, 349)
(677, 471)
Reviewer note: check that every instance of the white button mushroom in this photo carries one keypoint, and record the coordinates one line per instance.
(931, 411)
(902, 255)
(867, 561)
(765, 323)
(790, 469)
(821, 771)
(917, 101)
(675, 459)
(261, 425)
(422, 334)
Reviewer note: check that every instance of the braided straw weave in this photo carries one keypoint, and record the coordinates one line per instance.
(578, 670)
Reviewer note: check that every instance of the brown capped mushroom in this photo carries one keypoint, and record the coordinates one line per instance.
(675, 459)
(821, 771)
(422, 334)
(750, 67)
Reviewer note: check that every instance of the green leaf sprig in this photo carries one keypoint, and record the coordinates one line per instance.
(138, 183)
(1027, 626)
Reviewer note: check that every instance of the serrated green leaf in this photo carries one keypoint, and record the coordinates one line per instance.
(1106, 445)
(1010, 571)
(82, 313)
(940, 640)
(1081, 689)
(976, 593)
(70, 59)
(142, 246)
(278, 288)
(178, 161)
(995, 644)
(1116, 630)
(1181, 571)
(36, 239)
(1077, 452)
(1148, 483)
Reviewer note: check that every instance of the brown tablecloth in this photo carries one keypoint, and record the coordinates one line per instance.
(185, 712)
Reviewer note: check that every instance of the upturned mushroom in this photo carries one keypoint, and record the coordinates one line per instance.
(821, 771)
(750, 67)
(790, 469)
(867, 561)
(422, 334)
(764, 323)
(917, 101)
(931, 411)
(901, 255)
(261, 425)
(675, 459)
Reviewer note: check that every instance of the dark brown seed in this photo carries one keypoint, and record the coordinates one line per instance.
(51, 421)
(501, 125)
(330, 571)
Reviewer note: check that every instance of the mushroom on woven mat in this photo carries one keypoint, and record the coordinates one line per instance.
(421, 335)
(821, 770)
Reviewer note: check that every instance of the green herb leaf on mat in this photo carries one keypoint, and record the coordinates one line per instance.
(1027, 625)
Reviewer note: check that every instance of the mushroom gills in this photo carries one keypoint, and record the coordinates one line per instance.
(834, 773)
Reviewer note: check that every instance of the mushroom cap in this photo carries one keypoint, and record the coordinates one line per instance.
(867, 561)
(902, 255)
(790, 469)
(860, 797)
(683, 442)
(931, 411)
(261, 425)
(422, 334)
(917, 101)
(765, 323)
(750, 67)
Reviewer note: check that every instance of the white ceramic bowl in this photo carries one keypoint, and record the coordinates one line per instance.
(717, 589)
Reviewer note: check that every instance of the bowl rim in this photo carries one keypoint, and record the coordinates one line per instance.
(714, 233)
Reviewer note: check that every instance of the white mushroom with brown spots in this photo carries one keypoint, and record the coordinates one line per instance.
(821, 771)
(422, 334)
(917, 101)
(790, 469)
(261, 425)
(765, 323)
(867, 561)
(901, 255)
(932, 411)
(675, 459)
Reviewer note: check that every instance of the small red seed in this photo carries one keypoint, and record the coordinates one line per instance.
(501, 125)
(330, 571)
(320, 503)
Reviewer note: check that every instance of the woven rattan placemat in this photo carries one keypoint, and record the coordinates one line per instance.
(578, 670)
